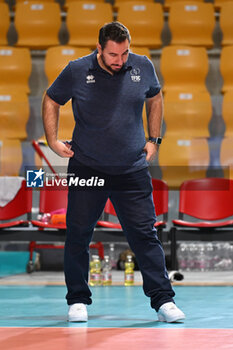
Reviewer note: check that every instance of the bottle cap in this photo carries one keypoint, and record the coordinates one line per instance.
(95, 257)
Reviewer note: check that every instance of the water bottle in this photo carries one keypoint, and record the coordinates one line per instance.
(202, 260)
(129, 271)
(228, 260)
(112, 256)
(225, 261)
(210, 256)
(191, 263)
(95, 271)
(216, 257)
(106, 272)
(45, 217)
(231, 255)
(182, 256)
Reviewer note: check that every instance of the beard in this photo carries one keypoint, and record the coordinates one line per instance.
(111, 68)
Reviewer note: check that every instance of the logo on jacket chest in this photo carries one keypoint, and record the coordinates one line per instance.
(135, 75)
(90, 79)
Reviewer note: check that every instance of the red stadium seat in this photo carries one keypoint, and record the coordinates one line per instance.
(52, 198)
(109, 210)
(210, 201)
(20, 205)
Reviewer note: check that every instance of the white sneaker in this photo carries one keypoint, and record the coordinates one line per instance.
(169, 312)
(77, 313)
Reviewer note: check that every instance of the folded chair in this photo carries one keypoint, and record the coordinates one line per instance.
(226, 156)
(4, 23)
(15, 112)
(167, 3)
(84, 20)
(58, 57)
(225, 22)
(184, 68)
(192, 23)
(144, 20)
(15, 69)
(226, 68)
(227, 108)
(19, 205)
(37, 24)
(187, 113)
(219, 3)
(11, 156)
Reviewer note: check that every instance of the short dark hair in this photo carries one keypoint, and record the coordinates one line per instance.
(114, 31)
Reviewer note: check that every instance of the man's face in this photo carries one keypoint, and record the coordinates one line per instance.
(114, 55)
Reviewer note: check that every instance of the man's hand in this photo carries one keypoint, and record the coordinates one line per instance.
(151, 151)
(62, 149)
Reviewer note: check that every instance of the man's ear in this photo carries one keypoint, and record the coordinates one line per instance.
(99, 48)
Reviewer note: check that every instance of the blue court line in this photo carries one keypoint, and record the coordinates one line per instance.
(115, 306)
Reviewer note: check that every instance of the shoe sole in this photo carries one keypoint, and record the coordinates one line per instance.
(77, 319)
(171, 320)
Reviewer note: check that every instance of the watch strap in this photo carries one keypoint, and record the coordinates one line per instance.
(156, 140)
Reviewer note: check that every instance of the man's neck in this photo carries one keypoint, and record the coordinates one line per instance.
(102, 65)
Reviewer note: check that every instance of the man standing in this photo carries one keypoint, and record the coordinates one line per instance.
(108, 89)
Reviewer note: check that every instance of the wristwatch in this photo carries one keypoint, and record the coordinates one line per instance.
(155, 140)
